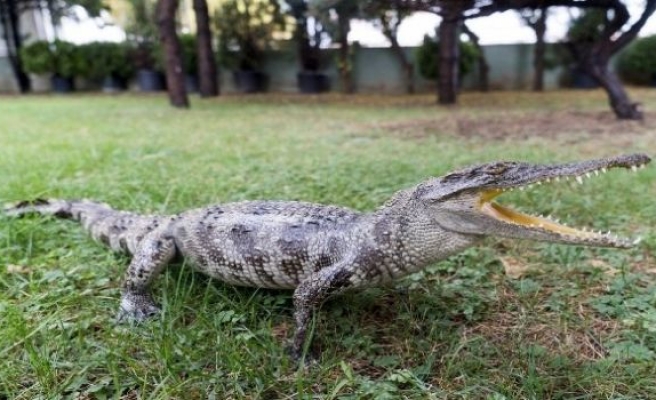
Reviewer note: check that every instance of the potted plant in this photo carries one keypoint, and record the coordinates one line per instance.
(246, 30)
(428, 58)
(308, 38)
(190, 61)
(582, 33)
(108, 63)
(146, 59)
(60, 59)
(145, 54)
(637, 64)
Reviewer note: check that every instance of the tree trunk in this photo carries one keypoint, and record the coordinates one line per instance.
(345, 64)
(10, 22)
(208, 83)
(409, 77)
(483, 66)
(619, 100)
(540, 28)
(595, 59)
(447, 85)
(175, 81)
(407, 66)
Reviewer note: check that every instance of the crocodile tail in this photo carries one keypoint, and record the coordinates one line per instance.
(69, 209)
(118, 229)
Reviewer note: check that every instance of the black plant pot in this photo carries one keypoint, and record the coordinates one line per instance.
(312, 82)
(250, 81)
(150, 80)
(583, 80)
(191, 83)
(61, 84)
(113, 84)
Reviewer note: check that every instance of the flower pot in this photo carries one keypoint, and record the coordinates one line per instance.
(149, 80)
(191, 83)
(41, 83)
(583, 80)
(250, 81)
(113, 84)
(312, 82)
(61, 84)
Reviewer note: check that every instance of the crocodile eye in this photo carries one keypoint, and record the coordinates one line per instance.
(496, 169)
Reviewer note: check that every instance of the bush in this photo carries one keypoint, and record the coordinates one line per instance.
(58, 58)
(36, 57)
(104, 59)
(246, 29)
(588, 27)
(189, 54)
(428, 58)
(637, 64)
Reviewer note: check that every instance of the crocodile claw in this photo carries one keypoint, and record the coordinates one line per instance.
(136, 308)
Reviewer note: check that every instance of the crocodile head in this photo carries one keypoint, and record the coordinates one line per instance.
(463, 201)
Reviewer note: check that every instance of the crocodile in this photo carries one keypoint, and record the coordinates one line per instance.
(321, 250)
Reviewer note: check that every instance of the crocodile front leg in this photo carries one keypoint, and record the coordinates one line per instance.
(153, 254)
(310, 294)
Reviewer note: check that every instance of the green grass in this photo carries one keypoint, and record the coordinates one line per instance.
(507, 320)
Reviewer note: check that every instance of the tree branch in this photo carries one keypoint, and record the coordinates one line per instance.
(505, 5)
(629, 35)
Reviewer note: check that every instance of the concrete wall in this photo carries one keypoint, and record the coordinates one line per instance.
(511, 67)
(376, 70)
(7, 81)
(32, 28)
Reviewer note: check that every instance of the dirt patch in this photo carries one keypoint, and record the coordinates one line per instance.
(502, 125)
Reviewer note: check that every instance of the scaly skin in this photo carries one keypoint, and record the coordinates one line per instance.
(320, 250)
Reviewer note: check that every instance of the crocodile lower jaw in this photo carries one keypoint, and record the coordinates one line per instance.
(545, 224)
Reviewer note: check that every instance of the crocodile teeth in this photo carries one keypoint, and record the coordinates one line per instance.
(579, 180)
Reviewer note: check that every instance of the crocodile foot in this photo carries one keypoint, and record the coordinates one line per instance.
(136, 308)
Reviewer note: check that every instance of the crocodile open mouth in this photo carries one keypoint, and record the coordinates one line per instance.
(548, 224)
(508, 215)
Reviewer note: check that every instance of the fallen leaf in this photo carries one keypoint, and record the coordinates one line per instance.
(514, 268)
(604, 266)
(18, 269)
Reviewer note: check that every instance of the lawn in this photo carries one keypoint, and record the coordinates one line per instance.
(506, 320)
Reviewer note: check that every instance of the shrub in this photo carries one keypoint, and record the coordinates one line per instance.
(428, 58)
(36, 57)
(587, 27)
(58, 58)
(246, 30)
(189, 54)
(637, 64)
(103, 59)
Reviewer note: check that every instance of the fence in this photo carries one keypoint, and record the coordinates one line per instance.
(375, 70)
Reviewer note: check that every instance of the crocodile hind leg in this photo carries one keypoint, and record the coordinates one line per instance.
(309, 295)
(154, 253)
